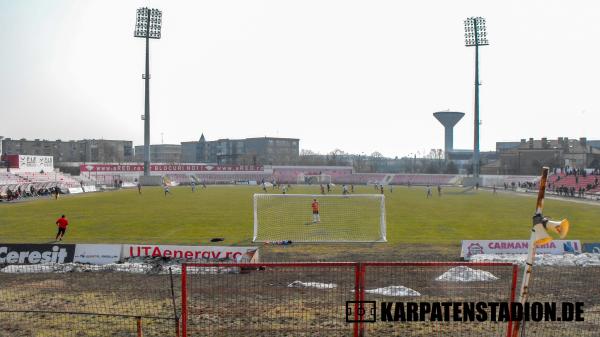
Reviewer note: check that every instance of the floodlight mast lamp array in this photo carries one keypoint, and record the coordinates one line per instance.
(148, 26)
(475, 36)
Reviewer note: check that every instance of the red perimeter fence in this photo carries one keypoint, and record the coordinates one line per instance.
(38, 300)
(318, 299)
(278, 299)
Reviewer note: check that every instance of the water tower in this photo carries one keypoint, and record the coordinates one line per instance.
(448, 120)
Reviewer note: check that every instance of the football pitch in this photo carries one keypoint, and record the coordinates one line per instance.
(186, 217)
(417, 229)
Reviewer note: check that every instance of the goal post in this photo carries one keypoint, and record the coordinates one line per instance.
(342, 218)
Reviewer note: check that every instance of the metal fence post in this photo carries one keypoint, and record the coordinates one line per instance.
(356, 297)
(362, 271)
(513, 291)
(175, 316)
(359, 295)
(184, 300)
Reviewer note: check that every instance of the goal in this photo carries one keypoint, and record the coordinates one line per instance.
(343, 218)
(314, 179)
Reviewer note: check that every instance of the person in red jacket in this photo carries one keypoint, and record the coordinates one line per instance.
(315, 211)
(62, 224)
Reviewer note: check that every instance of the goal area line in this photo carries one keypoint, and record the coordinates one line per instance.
(315, 218)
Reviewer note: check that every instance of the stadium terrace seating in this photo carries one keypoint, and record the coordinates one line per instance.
(86, 181)
(109, 178)
(61, 179)
(346, 176)
(24, 181)
(290, 175)
(186, 178)
(575, 181)
(284, 175)
(287, 176)
(7, 178)
(423, 179)
(179, 178)
(520, 179)
(232, 177)
(500, 180)
(359, 178)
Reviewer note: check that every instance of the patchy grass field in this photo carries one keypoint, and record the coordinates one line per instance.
(418, 229)
(226, 211)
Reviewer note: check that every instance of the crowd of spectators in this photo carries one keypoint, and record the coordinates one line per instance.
(25, 192)
(569, 171)
(528, 185)
(571, 182)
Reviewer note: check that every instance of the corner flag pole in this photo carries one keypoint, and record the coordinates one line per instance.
(539, 237)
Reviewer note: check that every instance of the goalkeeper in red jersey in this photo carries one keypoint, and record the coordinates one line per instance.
(315, 211)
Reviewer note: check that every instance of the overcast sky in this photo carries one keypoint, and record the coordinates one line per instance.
(361, 76)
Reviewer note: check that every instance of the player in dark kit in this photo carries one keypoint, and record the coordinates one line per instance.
(62, 224)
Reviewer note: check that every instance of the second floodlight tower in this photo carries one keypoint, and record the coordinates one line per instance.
(475, 36)
(147, 26)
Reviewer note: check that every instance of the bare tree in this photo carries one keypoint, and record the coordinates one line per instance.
(337, 152)
(435, 154)
(377, 155)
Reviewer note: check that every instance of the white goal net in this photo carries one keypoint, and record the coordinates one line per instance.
(341, 218)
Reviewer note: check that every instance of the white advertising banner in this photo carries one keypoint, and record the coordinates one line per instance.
(36, 163)
(473, 247)
(97, 254)
(239, 254)
(75, 190)
(84, 189)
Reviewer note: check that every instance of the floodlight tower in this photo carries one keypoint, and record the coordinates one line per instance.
(147, 26)
(475, 36)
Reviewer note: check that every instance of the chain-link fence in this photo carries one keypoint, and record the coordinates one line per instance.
(325, 299)
(271, 299)
(443, 282)
(35, 301)
(284, 299)
(560, 284)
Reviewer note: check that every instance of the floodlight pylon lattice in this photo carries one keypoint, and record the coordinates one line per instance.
(475, 36)
(148, 25)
